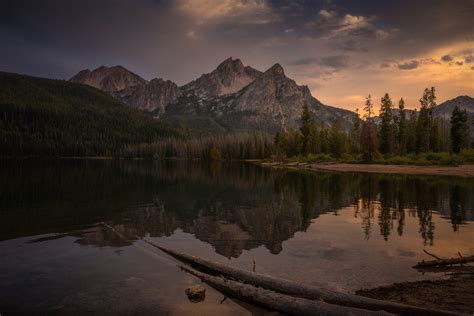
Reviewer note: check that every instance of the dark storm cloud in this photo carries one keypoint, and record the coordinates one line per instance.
(409, 65)
(447, 58)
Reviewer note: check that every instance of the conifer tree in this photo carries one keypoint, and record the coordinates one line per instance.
(355, 133)
(307, 129)
(423, 125)
(387, 131)
(402, 128)
(459, 129)
(369, 132)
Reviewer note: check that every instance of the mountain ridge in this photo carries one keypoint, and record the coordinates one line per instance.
(231, 97)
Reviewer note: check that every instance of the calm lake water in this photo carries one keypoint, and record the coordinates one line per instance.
(342, 231)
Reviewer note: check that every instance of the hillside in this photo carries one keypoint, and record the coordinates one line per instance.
(52, 117)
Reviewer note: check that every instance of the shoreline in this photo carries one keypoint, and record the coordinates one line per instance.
(452, 294)
(458, 171)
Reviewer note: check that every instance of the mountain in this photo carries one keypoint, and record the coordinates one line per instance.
(277, 101)
(270, 102)
(108, 79)
(231, 98)
(59, 118)
(445, 109)
(229, 77)
(130, 88)
(155, 95)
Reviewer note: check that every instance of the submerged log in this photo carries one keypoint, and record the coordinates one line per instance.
(288, 305)
(444, 262)
(299, 290)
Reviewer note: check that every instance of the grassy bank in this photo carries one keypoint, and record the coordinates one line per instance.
(421, 159)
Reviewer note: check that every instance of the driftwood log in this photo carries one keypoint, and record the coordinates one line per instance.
(286, 296)
(285, 304)
(299, 290)
(444, 262)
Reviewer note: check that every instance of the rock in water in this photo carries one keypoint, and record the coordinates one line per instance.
(196, 293)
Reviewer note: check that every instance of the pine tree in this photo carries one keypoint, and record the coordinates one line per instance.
(402, 128)
(336, 140)
(434, 124)
(369, 132)
(411, 135)
(423, 125)
(459, 129)
(387, 131)
(355, 133)
(307, 129)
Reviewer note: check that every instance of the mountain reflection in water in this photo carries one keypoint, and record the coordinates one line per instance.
(234, 207)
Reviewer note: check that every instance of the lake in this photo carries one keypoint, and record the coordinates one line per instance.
(342, 231)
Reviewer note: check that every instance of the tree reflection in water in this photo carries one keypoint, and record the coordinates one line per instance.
(234, 207)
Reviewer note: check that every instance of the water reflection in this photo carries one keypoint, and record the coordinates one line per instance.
(233, 207)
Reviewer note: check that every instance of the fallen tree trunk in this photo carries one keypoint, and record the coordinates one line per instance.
(268, 299)
(444, 262)
(302, 291)
(446, 269)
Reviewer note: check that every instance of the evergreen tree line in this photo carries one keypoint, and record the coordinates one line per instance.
(395, 132)
(222, 147)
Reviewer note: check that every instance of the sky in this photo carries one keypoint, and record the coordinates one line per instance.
(342, 50)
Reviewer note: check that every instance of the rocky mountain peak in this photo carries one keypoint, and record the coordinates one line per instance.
(229, 77)
(276, 69)
(109, 79)
(231, 65)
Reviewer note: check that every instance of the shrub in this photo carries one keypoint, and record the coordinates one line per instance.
(467, 155)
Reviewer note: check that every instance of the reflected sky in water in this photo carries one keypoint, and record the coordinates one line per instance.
(344, 231)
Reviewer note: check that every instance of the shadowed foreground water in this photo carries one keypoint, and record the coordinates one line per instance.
(343, 231)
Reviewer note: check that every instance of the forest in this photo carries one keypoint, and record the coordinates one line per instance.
(396, 136)
(42, 117)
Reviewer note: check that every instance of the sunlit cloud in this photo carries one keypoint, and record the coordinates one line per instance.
(241, 11)
(327, 14)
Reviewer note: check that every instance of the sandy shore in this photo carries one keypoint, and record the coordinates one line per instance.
(460, 171)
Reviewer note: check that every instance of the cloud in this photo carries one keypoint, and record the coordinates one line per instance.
(447, 58)
(358, 26)
(305, 61)
(334, 62)
(382, 34)
(327, 14)
(352, 22)
(241, 11)
(459, 63)
(409, 65)
(469, 59)
(384, 65)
